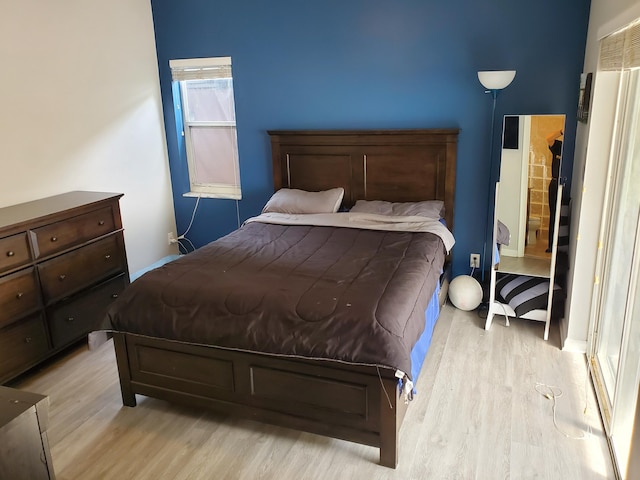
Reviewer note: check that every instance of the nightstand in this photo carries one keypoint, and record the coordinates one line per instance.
(24, 448)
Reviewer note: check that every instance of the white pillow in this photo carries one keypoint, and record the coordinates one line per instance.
(428, 208)
(291, 200)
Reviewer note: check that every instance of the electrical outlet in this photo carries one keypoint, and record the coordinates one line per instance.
(171, 237)
(474, 260)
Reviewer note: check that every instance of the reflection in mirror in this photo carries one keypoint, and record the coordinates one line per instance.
(529, 171)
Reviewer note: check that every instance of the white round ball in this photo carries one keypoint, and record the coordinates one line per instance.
(465, 292)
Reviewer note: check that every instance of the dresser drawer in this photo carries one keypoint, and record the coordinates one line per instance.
(22, 344)
(64, 275)
(80, 315)
(14, 252)
(19, 295)
(60, 236)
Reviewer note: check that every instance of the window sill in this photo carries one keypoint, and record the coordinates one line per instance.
(227, 196)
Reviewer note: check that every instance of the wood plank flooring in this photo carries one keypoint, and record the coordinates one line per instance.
(477, 415)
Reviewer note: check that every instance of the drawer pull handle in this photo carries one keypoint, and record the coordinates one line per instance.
(101, 222)
(107, 256)
(114, 295)
(70, 319)
(19, 295)
(54, 239)
(10, 253)
(27, 340)
(62, 277)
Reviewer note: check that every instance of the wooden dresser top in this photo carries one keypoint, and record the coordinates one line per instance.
(44, 207)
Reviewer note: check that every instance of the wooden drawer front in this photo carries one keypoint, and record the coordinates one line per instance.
(14, 251)
(19, 296)
(80, 315)
(73, 231)
(21, 345)
(66, 274)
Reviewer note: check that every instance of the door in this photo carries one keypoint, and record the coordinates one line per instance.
(615, 356)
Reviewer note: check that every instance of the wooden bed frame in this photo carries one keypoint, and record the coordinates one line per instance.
(358, 403)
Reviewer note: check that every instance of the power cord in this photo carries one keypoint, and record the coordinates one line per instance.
(179, 240)
(193, 215)
(181, 247)
(483, 308)
(384, 389)
(553, 393)
(506, 317)
(190, 243)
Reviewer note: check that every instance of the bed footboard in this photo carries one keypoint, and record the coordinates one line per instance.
(355, 403)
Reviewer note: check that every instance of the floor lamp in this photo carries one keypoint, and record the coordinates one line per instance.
(493, 81)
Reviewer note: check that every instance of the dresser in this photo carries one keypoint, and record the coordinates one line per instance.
(24, 448)
(62, 261)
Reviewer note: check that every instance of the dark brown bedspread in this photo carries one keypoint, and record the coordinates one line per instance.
(352, 295)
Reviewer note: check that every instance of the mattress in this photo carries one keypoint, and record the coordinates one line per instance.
(346, 294)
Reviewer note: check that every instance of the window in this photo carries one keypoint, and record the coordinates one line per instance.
(209, 125)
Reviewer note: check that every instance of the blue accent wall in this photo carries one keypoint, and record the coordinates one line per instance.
(379, 64)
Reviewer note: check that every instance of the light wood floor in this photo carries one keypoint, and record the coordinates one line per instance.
(533, 266)
(477, 415)
(539, 248)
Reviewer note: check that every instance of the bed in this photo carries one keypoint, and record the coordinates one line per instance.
(351, 395)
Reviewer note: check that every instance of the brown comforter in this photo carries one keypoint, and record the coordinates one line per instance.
(357, 296)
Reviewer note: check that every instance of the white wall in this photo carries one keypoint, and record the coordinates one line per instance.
(588, 181)
(81, 110)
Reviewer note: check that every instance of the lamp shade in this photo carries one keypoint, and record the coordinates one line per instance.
(496, 79)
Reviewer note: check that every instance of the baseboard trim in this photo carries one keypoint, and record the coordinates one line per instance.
(157, 264)
(570, 344)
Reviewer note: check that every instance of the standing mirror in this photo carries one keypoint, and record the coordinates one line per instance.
(529, 170)
(526, 220)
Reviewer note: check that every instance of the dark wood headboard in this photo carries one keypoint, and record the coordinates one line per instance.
(391, 165)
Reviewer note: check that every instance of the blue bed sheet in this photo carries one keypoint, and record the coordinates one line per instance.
(419, 351)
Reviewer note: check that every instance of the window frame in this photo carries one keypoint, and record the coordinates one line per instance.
(203, 69)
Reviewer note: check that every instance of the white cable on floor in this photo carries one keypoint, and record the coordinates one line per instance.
(506, 317)
(554, 393)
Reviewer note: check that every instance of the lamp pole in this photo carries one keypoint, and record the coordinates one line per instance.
(494, 95)
(492, 81)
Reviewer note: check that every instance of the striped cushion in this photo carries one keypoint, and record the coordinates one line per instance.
(524, 294)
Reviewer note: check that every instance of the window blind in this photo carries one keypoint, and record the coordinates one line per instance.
(621, 50)
(200, 68)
